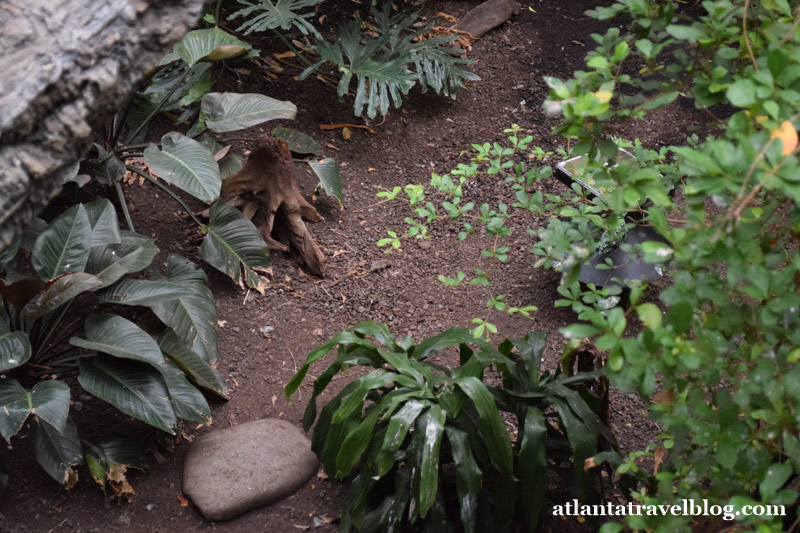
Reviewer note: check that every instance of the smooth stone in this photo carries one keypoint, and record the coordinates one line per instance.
(230, 471)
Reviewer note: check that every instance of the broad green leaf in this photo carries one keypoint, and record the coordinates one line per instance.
(235, 111)
(469, 478)
(63, 289)
(58, 452)
(194, 366)
(742, 93)
(532, 465)
(692, 33)
(103, 221)
(49, 400)
(396, 432)
(188, 402)
(119, 337)
(112, 261)
(186, 164)
(494, 431)
(776, 476)
(230, 165)
(650, 315)
(122, 450)
(210, 44)
(15, 350)
(298, 142)
(579, 331)
(327, 170)
(142, 292)
(680, 316)
(355, 443)
(64, 245)
(583, 443)
(136, 389)
(234, 245)
(97, 469)
(193, 317)
(433, 427)
(110, 167)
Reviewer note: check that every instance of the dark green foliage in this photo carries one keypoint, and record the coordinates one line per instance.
(386, 67)
(83, 252)
(420, 438)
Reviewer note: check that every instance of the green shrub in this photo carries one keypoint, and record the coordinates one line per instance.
(720, 345)
(83, 252)
(422, 439)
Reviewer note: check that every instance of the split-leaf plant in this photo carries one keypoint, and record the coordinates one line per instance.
(44, 357)
(388, 56)
(427, 446)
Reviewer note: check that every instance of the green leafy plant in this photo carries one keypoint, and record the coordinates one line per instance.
(81, 253)
(713, 348)
(265, 15)
(196, 162)
(386, 67)
(422, 439)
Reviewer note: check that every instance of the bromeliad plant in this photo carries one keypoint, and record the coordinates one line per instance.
(83, 253)
(422, 439)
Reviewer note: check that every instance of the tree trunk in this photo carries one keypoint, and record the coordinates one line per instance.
(67, 66)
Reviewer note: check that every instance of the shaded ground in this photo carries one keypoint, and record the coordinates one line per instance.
(550, 38)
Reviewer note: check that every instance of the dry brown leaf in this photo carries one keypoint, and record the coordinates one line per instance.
(119, 483)
(184, 501)
(449, 18)
(588, 463)
(346, 133)
(318, 332)
(658, 458)
(222, 323)
(370, 169)
(284, 55)
(222, 153)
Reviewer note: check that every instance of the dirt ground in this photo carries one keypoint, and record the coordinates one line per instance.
(548, 38)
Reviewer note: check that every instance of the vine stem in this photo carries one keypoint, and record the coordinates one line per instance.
(166, 190)
(123, 204)
(291, 47)
(161, 103)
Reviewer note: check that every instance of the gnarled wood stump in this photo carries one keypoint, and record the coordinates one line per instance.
(67, 66)
(266, 191)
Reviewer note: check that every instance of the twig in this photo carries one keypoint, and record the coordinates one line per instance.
(746, 38)
(338, 126)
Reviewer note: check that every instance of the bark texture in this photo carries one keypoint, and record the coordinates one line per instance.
(266, 191)
(67, 66)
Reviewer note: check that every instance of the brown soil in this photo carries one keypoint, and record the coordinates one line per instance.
(548, 38)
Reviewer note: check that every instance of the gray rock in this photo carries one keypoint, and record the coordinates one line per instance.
(231, 471)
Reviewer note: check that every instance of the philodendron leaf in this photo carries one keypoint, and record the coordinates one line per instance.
(234, 245)
(123, 450)
(298, 142)
(103, 221)
(192, 317)
(119, 337)
(58, 452)
(327, 170)
(211, 44)
(194, 366)
(142, 292)
(234, 111)
(64, 245)
(110, 167)
(136, 389)
(112, 261)
(186, 164)
(49, 400)
(62, 290)
(15, 350)
(188, 402)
